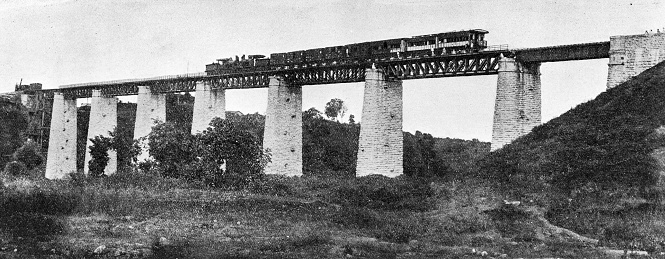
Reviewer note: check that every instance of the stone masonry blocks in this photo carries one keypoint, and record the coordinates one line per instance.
(630, 55)
(208, 104)
(61, 157)
(517, 108)
(283, 128)
(150, 107)
(381, 145)
(103, 119)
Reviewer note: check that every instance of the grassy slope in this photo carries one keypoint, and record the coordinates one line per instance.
(592, 166)
(606, 141)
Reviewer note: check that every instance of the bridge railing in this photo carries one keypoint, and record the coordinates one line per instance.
(124, 81)
(497, 47)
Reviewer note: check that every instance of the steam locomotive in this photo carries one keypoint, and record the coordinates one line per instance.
(447, 43)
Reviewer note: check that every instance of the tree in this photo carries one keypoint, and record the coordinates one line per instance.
(311, 113)
(335, 108)
(125, 148)
(226, 143)
(172, 147)
(13, 122)
(99, 155)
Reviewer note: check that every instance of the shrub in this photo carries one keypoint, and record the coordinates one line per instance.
(239, 150)
(15, 168)
(29, 154)
(172, 148)
(14, 123)
(99, 155)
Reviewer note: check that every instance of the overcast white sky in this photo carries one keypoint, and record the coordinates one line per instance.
(58, 42)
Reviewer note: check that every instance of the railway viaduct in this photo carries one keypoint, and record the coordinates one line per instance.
(517, 107)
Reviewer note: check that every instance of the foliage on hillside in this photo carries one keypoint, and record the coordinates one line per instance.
(601, 146)
(329, 147)
(13, 123)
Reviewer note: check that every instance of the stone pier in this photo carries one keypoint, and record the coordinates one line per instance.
(61, 157)
(150, 107)
(518, 102)
(283, 128)
(630, 55)
(381, 147)
(103, 119)
(208, 104)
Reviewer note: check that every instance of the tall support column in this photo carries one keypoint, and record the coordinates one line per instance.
(517, 108)
(630, 55)
(103, 119)
(150, 107)
(283, 128)
(61, 157)
(381, 147)
(208, 104)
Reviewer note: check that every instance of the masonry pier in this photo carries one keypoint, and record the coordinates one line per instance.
(630, 55)
(283, 128)
(208, 104)
(380, 146)
(150, 107)
(103, 119)
(61, 159)
(517, 109)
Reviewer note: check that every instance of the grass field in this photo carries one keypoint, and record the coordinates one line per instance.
(135, 215)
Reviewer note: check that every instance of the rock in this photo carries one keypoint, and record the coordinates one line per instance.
(99, 250)
(163, 241)
(229, 231)
(336, 250)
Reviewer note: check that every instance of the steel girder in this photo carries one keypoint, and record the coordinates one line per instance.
(325, 75)
(483, 63)
(239, 81)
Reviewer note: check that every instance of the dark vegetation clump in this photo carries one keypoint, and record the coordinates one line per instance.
(329, 147)
(223, 155)
(99, 157)
(15, 168)
(30, 155)
(13, 123)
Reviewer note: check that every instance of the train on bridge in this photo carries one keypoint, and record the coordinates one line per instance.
(441, 44)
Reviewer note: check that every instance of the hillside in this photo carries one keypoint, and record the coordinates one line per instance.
(595, 164)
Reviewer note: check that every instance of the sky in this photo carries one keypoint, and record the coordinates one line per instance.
(58, 42)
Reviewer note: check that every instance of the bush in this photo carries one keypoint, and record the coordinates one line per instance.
(99, 155)
(29, 154)
(16, 168)
(225, 144)
(172, 148)
(225, 154)
(14, 123)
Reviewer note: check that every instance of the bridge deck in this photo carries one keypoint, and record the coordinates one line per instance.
(593, 50)
(482, 63)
